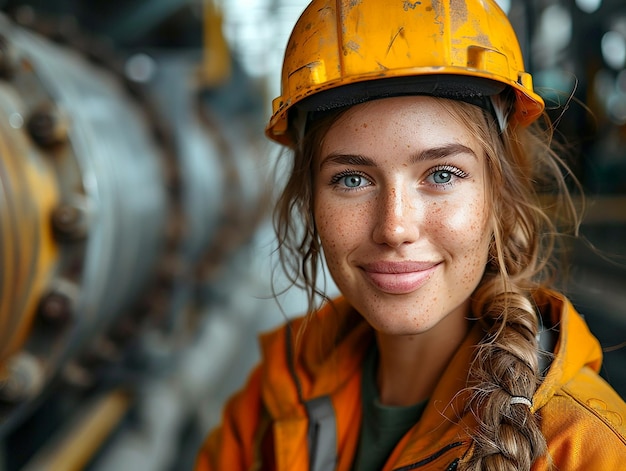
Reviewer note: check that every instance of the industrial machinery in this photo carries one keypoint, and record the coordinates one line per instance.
(122, 198)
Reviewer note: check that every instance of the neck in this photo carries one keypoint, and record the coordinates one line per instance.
(410, 366)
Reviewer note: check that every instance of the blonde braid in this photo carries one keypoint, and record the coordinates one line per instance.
(506, 366)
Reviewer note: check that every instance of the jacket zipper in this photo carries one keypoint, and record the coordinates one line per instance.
(433, 457)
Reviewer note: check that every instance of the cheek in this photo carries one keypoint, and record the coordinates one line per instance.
(466, 240)
(341, 228)
(464, 228)
(332, 228)
(332, 222)
(337, 219)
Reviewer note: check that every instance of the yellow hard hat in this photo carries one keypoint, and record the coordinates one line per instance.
(343, 52)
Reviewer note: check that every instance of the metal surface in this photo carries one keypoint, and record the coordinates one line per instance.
(83, 214)
(121, 202)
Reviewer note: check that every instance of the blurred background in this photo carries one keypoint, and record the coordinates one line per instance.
(136, 247)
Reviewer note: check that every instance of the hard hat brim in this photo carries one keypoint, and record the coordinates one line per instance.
(471, 89)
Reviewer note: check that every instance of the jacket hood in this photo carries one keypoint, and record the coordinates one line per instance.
(576, 347)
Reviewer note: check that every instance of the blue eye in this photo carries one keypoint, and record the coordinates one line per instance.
(352, 181)
(445, 175)
(441, 177)
(349, 180)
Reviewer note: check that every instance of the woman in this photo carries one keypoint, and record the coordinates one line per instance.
(416, 173)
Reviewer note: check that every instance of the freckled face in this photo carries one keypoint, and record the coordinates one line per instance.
(402, 215)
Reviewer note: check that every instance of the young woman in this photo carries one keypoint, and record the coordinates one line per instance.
(417, 160)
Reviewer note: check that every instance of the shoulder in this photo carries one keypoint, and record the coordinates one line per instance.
(584, 423)
(231, 445)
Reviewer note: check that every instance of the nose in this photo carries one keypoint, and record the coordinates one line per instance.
(396, 218)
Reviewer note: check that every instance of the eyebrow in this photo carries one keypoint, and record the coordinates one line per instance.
(432, 153)
(435, 153)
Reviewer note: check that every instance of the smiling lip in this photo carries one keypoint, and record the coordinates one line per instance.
(399, 277)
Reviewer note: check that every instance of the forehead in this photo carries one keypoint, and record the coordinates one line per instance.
(407, 122)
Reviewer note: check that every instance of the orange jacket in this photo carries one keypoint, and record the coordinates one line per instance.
(266, 425)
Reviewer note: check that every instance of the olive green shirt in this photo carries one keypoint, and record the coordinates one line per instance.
(382, 426)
